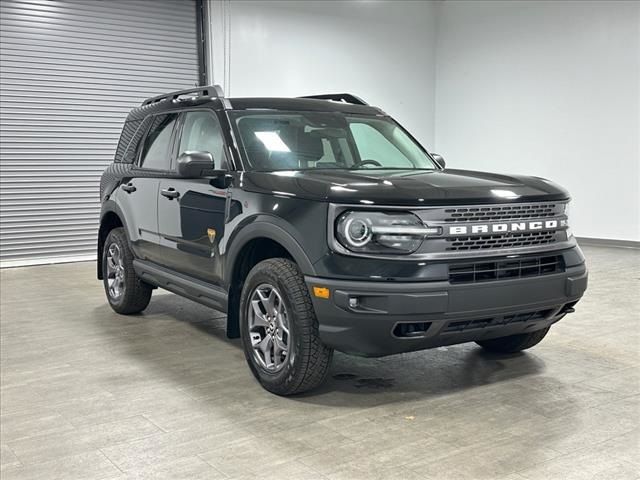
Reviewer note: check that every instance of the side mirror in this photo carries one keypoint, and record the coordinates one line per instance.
(439, 159)
(194, 164)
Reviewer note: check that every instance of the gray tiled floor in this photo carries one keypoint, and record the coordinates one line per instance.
(89, 394)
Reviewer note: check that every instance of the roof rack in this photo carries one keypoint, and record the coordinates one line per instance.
(210, 90)
(339, 97)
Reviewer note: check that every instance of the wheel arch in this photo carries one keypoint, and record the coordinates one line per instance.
(110, 218)
(257, 242)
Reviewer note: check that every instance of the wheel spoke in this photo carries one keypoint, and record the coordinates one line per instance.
(272, 302)
(277, 359)
(111, 265)
(265, 344)
(264, 299)
(258, 317)
(280, 346)
(282, 323)
(266, 347)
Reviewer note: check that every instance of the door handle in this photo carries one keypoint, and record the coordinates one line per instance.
(129, 187)
(170, 193)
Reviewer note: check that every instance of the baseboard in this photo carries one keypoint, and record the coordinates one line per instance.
(28, 262)
(607, 242)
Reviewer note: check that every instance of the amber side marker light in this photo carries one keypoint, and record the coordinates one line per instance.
(321, 292)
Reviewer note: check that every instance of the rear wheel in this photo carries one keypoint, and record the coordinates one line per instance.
(514, 343)
(126, 293)
(280, 330)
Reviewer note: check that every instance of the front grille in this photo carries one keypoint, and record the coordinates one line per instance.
(500, 212)
(466, 325)
(490, 230)
(505, 269)
(506, 240)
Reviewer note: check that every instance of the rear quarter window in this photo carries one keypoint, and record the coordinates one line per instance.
(128, 132)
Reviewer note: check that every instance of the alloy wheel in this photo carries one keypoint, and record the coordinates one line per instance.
(268, 328)
(115, 271)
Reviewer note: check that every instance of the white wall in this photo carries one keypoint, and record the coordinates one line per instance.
(383, 52)
(543, 88)
(548, 89)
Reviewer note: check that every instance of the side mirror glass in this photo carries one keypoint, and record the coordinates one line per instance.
(195, 164)
(439, 159)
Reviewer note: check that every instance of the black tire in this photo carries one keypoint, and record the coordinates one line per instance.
(135, 294)
(307, 363)
(514, 343)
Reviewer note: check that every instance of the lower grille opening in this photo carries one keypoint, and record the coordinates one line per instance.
(505, 269)
(467, 325)
(414, 329)
(527, 317)
(475, 324)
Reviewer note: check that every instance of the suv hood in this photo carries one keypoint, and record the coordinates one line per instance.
(403, 187)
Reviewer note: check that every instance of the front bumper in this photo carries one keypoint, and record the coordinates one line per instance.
(382, 318)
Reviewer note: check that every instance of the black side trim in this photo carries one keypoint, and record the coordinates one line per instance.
(183, 285)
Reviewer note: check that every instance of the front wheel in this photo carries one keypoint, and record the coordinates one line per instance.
(125, 291)
(514, 343)
(280, 330)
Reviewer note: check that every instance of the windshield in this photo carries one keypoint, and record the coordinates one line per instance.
(312, 140)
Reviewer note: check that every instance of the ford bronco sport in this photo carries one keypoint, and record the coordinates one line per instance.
(319, 223)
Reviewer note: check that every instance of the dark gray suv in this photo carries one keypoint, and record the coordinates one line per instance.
(319, 223)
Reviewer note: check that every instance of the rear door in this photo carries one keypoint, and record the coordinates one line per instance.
(191, 212)
(138, 197)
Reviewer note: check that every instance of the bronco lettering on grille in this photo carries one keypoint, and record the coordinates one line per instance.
(504, 227)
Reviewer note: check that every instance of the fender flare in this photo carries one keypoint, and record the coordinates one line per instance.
(272, 231)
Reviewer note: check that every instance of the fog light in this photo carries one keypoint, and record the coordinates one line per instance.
(353, 302)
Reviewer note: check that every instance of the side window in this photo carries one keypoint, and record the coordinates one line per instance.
(126, 136)
(372, 145)
(156, 150)
(202, 133)
(133, 147)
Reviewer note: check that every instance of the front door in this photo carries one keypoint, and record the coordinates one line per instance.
(191, 212)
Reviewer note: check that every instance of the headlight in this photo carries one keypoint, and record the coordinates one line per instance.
(381, 232)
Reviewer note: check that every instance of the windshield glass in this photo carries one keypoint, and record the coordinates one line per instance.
(312, 140)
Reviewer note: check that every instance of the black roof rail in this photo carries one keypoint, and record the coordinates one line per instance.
(207, 91)
(339, 97)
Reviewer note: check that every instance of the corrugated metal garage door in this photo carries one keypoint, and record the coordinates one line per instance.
(71, 71)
